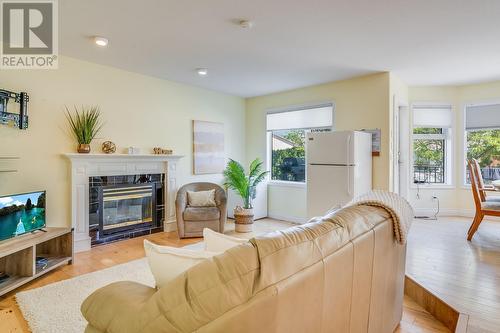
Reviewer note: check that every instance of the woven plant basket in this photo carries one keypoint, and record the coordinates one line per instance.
(243, 219)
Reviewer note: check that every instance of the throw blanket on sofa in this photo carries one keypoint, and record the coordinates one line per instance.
(399, 209)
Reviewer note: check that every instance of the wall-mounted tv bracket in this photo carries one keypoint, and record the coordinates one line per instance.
(14, 119)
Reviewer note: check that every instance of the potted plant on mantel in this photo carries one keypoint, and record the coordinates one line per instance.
(246, 187)
(84, 124)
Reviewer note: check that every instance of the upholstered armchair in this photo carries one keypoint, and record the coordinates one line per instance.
(192, 220)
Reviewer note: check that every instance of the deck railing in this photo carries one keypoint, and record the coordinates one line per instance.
(430, 174)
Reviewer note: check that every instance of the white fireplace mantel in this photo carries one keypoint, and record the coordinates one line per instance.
(84, 166)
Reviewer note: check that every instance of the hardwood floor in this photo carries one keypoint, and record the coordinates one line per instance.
(415, 318)
(466, 275)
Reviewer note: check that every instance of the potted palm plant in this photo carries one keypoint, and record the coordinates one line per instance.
(84, 124)
(245, 185)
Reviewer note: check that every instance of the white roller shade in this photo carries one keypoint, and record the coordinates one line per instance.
(482, 116)
(432, 116)
(305, 118)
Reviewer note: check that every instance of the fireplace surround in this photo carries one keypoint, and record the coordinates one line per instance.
(85, 167)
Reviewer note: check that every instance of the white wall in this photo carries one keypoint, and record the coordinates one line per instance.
(138, 111)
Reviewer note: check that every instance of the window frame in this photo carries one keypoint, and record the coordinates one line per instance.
(449, 169)
(269, 139)
(463, 151)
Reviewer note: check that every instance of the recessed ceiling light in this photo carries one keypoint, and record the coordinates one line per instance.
(202, 71)
(101, 41)
(246, 24)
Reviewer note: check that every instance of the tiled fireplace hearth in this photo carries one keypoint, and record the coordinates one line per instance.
(136, 194)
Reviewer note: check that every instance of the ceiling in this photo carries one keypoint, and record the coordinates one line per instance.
(292, 44)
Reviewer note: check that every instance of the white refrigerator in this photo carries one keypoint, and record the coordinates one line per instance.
(339, 168)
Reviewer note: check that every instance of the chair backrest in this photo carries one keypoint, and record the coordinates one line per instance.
(220, 194)
(480, 180)
(474, 185)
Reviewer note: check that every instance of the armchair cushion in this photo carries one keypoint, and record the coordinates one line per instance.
(201, 198)
(201, 214)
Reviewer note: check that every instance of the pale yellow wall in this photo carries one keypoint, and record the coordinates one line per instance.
(138, 111)
(359, 103)
(457, 198)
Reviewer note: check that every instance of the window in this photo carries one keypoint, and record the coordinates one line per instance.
(286, 139)
(482, 139)
(432, 144)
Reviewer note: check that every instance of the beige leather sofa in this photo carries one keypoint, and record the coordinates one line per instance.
(342, 274)
(192, 220)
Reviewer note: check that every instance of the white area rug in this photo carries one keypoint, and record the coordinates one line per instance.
(55, 308)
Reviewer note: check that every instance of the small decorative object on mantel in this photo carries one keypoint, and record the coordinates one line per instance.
(134, 151)
(246, 187)
(108, 147)
(376, 137)
(84, 124)
(161, 151)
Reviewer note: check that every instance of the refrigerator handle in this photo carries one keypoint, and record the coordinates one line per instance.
(348, 153)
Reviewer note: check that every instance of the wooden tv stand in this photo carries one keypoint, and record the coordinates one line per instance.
(18, 255)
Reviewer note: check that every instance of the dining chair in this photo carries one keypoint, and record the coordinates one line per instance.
(483, 207)
(482, 187)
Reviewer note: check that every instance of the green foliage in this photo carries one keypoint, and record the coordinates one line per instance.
(297, 137)
(40, 202)
(278, 156)
(29, 205)
(426, 130)
(245, 185)
(84, 124)
(428, 152)
(483, 146)
(10, 209)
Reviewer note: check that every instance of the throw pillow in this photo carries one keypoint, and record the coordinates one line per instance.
(217, 242)
(201, 198)
(166, 263)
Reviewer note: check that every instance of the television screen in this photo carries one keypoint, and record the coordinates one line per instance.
(21, 213)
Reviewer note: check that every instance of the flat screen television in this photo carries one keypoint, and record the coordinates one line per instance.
(21, 213)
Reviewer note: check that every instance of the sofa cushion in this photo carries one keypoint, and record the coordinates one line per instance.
(217, 242)
(205, 292)
(166, 263)
(201, 198)
(201, 213)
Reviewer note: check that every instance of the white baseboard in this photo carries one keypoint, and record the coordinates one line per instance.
(169, 226)
(450, 212)
(444, 212)
(293, 219)
(81, 245)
